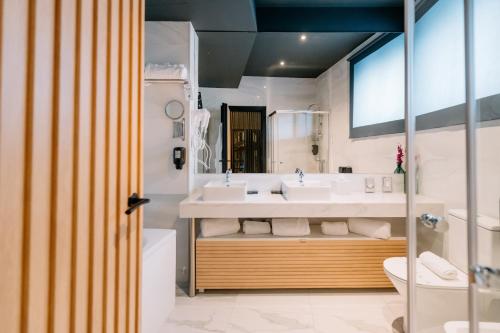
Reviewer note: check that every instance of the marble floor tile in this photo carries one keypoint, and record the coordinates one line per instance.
(296, 311)
(273, 299)
(398, 308)
(197, 319)
(344, 299)
(348, 320)
(269, 319)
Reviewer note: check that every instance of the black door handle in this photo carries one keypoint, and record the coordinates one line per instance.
(135, 202)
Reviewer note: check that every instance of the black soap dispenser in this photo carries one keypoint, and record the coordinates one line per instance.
(179, 157)
(200, 103)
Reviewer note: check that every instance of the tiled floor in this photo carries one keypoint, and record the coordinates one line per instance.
(305, 311)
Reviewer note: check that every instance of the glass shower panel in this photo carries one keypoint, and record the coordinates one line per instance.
(440, 164)
(487, 86)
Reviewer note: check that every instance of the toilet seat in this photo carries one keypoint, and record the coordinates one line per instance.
(396, 267)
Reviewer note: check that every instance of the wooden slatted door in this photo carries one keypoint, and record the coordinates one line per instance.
(70, 156)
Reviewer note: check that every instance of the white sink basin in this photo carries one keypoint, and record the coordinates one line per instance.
(222, 191)
(308, 190)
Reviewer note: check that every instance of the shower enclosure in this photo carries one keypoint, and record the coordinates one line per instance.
(452, 127)
(298, 139)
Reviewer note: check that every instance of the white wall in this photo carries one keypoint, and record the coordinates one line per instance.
(272, 92)
(176, 43)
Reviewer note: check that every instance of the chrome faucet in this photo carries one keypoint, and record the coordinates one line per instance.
(229, 172)
(301, 175)
(486, 277)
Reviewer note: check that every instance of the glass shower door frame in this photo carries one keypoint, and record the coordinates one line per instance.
(470, 134)
(471, 176)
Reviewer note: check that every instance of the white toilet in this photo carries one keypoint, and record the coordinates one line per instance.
(439, 300)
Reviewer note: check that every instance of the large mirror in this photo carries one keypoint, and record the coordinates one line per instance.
(266, 125)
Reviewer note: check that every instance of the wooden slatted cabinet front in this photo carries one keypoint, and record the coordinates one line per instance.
(294, 263)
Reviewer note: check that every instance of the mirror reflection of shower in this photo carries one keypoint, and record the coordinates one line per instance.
(298, 139)
(317, 137)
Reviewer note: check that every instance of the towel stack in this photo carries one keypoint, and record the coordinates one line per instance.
(291, 227)
(334, 228)
(256, 227)
(219, 227)
(165, 72)
(370, 228)
(366, 227)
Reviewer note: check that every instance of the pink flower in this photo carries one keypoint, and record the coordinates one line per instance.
(400, 155)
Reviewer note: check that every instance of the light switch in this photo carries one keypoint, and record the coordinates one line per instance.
(386, 184)
(369, 185)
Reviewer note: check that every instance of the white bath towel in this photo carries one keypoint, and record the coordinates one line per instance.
(256, 227)
(165, 71)
(439, 266)
(334, 228)
(370, 228)
(291, 227)
(219, 227)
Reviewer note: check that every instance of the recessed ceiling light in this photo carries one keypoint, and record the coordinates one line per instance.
(282, 63)
(265, 87)
(303, 37)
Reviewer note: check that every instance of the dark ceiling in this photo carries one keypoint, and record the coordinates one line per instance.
(302, 59)
(247, 37)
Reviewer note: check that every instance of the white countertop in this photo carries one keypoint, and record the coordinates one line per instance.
(266, 204)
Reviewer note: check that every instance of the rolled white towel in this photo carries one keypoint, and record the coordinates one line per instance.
(165, 71)
(256, 227)
(439, 266)
(370, 228)
(334, 228)
(219, 227)
(291, 227)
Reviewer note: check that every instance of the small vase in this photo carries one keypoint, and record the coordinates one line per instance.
(400, 170)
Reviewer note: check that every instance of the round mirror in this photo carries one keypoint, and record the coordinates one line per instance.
(174, 109)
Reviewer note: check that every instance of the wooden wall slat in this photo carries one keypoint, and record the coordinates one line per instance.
(139, 86)
(97, 165)
(13, 78)
(111, 201)
(122, 170)
(62, 169)
(132, 166)
(38, 168)
(82, 172)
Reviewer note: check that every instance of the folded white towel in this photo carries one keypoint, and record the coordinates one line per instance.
(334, 228)
(370, 228)
(439, 266)
(256, 227)
(219, 227)
(165, 71)
(291, 227)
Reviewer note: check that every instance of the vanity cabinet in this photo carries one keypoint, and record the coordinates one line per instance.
(270, 263)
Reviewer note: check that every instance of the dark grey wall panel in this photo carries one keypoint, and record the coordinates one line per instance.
(206, 15)
(329, 3)
(330, 19)
(305, 59)
(223, 57)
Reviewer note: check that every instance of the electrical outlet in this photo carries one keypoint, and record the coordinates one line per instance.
(184, 270)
